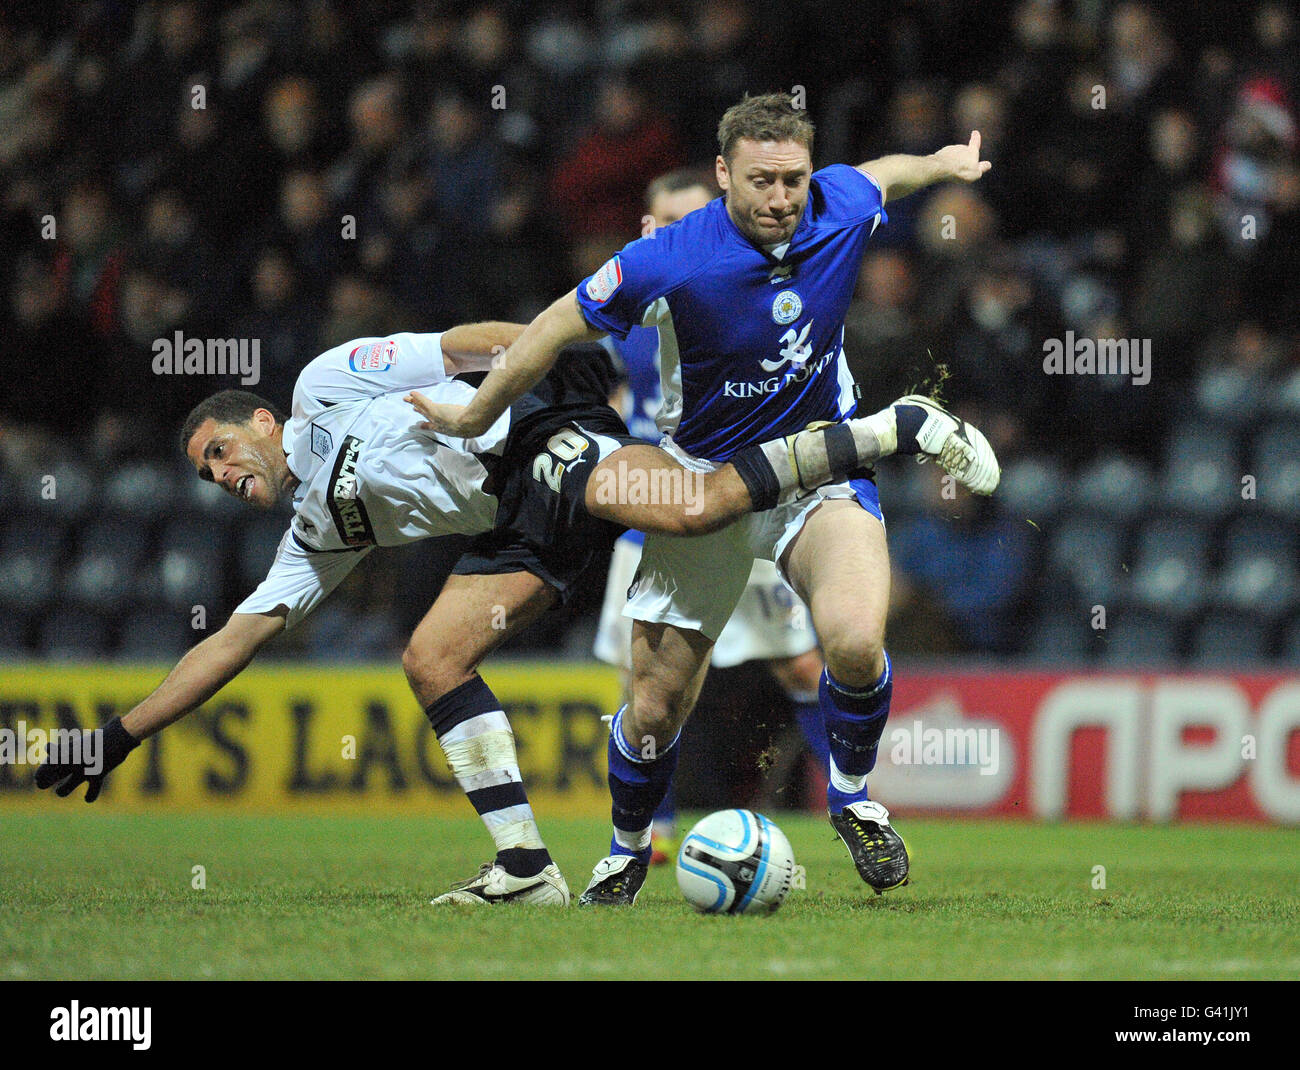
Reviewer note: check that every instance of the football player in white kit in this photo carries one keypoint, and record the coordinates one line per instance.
(769, 623)
(540, 489)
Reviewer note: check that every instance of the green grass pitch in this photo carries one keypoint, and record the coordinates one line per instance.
(100, 896)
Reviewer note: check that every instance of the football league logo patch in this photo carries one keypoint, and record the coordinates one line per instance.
(786, 307)
(375, 357)
(601, 286)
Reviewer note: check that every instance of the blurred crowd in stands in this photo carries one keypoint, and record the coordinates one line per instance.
(306, 173)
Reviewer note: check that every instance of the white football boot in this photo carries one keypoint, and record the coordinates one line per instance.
(494, 885)
(960, 448)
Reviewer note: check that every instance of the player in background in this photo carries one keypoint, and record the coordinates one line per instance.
(749, 296)
(769, 624)
(539, 488)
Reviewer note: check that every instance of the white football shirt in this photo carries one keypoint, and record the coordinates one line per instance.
(367, 476)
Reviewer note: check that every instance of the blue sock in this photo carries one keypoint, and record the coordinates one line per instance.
(854, 723)
(808, 715)
(637, 786)
(665, 814)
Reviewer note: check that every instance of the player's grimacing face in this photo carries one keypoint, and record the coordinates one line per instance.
(766, 184)
(245, 460)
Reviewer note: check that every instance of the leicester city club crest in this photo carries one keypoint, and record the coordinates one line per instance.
(786, 307)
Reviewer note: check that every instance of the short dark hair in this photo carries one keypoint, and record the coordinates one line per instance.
(770, 117)
(226, 407)
(676, 181)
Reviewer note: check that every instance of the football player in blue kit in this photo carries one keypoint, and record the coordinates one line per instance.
(769, 623)
(749, 296)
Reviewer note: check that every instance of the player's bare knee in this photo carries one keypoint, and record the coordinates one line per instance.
(855, 652)
(655, 727)
(657, 712)
(432, 671)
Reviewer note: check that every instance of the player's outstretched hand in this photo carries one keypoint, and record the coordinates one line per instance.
(963, 161)
(440, 417)
(90, 758)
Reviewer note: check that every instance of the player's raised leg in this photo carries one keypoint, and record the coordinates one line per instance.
(839, 565)
(644, 487)
(441, 663)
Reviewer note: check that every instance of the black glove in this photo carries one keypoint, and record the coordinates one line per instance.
(116, 743)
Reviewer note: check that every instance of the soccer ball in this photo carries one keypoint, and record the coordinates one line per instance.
(735, 862)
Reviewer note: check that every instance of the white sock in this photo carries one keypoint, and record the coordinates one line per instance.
(846, 782)
(481, 753)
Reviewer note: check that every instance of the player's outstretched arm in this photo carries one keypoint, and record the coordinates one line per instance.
(474, 347)
(900, 175)
(201, 673)
(513, 374)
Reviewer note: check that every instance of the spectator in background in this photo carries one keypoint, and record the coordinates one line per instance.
(463, 164)
(596, 186)
(995, 339)
(377, 128)
(1173, 159)
(971, 558)
(90, 255)
(1080, 170)
(170, 52)
(916, 125)
(55, 357)
(955, 232)
(293, 126)
(1276, 51)
(983, 107)
(1141, 60)
(1187, 284)
(1257, 148)
(1034, 70)
(710, 47)
(358, 308)
(882, 340)
(174, 248)
(152, 307)
(310, 229)
(219, 169)
(284, 321)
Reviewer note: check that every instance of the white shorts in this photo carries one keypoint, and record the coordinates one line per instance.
(769, 620)
(695, 583)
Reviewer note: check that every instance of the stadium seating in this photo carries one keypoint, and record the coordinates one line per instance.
(1230, 640)
(1034, 487)
(1113, 486)
(1134, 639)
(75, 635)
(1086, 552)
(1170, 566)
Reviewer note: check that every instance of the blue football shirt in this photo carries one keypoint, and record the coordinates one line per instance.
(751, 347)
